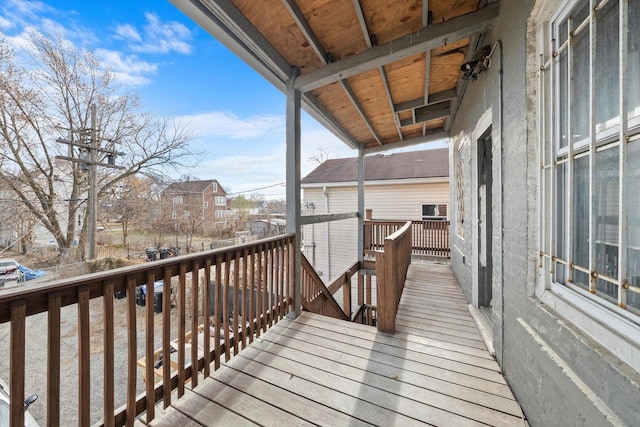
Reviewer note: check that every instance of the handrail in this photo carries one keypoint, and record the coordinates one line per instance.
(391, 271)
(428, 237)
(250, 287)
(315, 296)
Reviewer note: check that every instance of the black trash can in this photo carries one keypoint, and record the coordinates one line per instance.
(152, 254)
(157, 302)
(120, 294)
(140, 296)
(164, 253)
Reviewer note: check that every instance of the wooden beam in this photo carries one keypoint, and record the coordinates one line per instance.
(424, 40)
(303, 25)
(315, 219)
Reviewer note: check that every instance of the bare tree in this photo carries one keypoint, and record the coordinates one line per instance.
(130, 202)
(321, 155)
(46, 90)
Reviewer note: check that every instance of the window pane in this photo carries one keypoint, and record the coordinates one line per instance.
(563, 95)
(633, 230)
(560, 221)
(580, 86)
(607, 66)
(633, 60)
(580, 211)
(606, 207)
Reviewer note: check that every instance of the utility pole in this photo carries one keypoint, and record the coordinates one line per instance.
(91, 160)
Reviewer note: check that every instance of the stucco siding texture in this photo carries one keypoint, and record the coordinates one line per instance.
(560, 376)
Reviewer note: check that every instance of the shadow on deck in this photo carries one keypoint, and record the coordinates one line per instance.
(316, 370)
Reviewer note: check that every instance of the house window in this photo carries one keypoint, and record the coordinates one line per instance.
(215, 187)
(434, 212)
(173, 215)
(590, 209)
(221, 214)
(221, 201)
(206, 205)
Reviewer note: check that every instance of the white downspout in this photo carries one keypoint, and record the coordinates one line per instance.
(326, 209)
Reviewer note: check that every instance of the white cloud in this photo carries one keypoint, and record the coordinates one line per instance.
(127, 69)
(128, 32)
(228, 125)
(5, 23)
(157, 36)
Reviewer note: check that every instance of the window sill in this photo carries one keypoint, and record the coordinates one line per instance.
(618, 334)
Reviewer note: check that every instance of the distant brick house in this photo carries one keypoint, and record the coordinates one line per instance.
(194, 206)
(401, 186)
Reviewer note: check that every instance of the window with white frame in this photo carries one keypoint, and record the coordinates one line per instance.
(590, 157)
(434, 212)
(205, 205)
(215, 187)
(173, 215)
(221, 201)
(220, 214)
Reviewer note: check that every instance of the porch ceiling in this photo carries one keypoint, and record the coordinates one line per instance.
(378, 74)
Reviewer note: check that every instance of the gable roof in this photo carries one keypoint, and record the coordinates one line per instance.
(410, 165)
(192, 186)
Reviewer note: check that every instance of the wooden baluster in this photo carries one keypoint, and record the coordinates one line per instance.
(53, 359)
(206, 310)
(166, 336)
(280, 272)
(236, 290)
(109, 394)
(195, 271)
(243, 286)
(132, 354)
(252, 287)
(17, 359)
(84, 355)
(259, 285)
(182, 320)
(225, 308)
(149, 347)
(217, 313)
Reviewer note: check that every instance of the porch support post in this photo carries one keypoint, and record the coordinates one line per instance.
(293, 183)
(361, 205)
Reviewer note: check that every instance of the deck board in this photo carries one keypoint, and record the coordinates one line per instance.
(434, 370)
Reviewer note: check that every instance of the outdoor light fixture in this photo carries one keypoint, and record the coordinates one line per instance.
(481, 62)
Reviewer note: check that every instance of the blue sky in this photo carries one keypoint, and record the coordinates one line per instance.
(179, 70)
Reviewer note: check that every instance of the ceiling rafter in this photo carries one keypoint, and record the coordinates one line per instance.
(302, 23)
(431, 37)
(367, 38)
(427, 59)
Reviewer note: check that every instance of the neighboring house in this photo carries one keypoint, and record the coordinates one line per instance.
(400, 186)
(194, 206)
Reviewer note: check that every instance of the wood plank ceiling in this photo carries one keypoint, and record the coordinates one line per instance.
(376, 73)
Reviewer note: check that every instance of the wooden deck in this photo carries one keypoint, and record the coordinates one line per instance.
(315, 370)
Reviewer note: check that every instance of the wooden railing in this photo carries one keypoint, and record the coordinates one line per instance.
(249, 286)
(428, 237)
(318, 298)
(391, 271)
